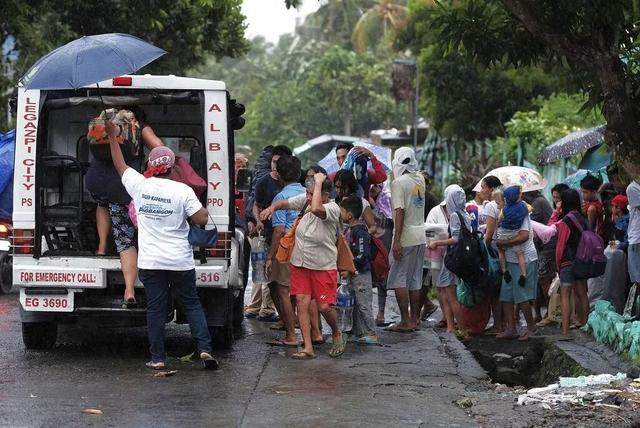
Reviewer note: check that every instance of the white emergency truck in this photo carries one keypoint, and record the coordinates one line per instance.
(54, 236)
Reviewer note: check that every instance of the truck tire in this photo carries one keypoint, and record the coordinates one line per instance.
(238, 310)
(39, 335)
(238, 303)
(222, 337)
(6, 274)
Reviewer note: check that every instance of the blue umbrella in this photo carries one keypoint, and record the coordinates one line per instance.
(574, 179)
(89, 60)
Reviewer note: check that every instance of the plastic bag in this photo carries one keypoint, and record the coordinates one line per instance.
(555, 285)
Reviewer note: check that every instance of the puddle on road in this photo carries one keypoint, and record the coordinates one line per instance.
(529, 364)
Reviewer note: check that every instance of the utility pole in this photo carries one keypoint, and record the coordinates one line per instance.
(406, 88)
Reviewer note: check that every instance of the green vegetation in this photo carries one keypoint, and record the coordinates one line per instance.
(312, 82)
(555, 117)
(593, 41)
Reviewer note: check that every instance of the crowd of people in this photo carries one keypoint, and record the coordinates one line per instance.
(534, 255)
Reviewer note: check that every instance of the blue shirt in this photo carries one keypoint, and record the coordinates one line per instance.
(286, 218)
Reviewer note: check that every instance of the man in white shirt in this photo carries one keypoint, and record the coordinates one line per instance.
(165, 256)
(409, 238)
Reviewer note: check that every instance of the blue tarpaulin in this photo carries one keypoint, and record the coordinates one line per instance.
(7, 147)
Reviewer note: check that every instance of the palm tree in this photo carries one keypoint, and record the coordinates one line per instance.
(382, 22)
(334, 21)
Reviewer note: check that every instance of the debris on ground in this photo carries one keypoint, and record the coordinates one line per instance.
(601, 379)
(165, 373)
(464, 403)
(92, 411)
(605, 390)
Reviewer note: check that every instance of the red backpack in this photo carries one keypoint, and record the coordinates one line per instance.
(379, 260)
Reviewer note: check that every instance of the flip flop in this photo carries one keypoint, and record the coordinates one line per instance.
(527, 335)
(280, 342)
(303, 355)
(318, 342)
(338, 348)
(129, 303)
(394, 328)
(369, 340)
(382, 324)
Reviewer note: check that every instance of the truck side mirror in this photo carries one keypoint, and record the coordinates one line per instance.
(243, 180)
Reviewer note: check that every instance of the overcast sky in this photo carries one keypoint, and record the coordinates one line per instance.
(270, 18)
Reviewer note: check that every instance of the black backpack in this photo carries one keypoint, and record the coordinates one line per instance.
(466, 259)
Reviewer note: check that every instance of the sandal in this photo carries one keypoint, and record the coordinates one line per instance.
(382, 323)
(368, 340)
(281, 342)
(303, 355)
(397, 329)
(338, 348)
(155, 366)
(318, 342)
(129, 303)
(527, 335)
(545, 322)
(208, 361)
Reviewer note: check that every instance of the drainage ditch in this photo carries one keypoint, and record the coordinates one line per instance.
(529, 364)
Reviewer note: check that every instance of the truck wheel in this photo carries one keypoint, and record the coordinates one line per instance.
(222, 337)
(6, 274)
(238, 310)
(39, 335)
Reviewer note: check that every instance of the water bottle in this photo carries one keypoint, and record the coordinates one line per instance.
(344, 306)
(258, 259)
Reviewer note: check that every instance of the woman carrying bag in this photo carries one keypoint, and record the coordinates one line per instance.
(315, 259)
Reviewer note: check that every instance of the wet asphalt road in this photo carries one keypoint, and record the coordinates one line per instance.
(414, 380)
(257, 385)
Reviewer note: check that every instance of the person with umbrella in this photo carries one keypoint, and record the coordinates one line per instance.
(87, 61)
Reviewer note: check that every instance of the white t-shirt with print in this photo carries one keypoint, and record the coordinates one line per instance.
(408, 193)
(162, 206)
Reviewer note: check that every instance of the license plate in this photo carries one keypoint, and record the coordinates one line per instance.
(210, 277)
(47, 302)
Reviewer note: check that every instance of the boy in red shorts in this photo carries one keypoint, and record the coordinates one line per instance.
(313, 260)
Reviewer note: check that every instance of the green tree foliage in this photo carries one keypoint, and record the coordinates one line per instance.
(464, 100)
(596, 39)
(555, 117)
(339, 92)
(187, 29)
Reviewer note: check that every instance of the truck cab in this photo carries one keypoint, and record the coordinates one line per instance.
(54, 236)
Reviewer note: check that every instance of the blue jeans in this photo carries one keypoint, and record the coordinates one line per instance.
(156, 286)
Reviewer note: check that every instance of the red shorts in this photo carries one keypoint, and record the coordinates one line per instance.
(321, 285)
